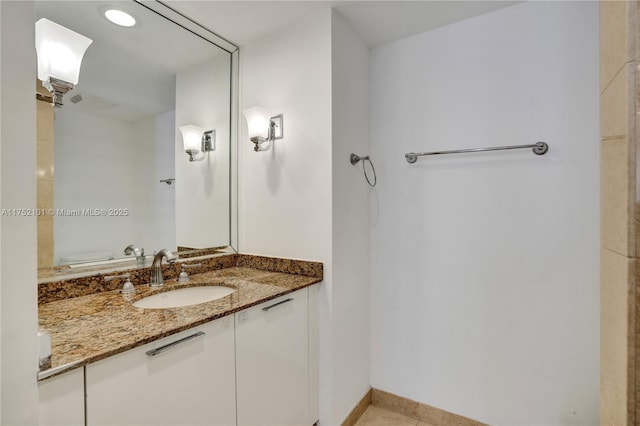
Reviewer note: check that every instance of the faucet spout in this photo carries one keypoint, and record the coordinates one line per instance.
(157, 280)
(138, 252)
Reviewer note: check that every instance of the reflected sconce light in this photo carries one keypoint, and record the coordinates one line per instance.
(60, 53)
(197, 141)
(263, 127)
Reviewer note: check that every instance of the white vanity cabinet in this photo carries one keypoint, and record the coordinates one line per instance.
(61, 399)
(275, 366)
(187, 383)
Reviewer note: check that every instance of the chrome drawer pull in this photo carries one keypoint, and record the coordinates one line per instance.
(266, 308)
(168, 346)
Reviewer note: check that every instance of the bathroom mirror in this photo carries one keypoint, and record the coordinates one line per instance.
(117, 172)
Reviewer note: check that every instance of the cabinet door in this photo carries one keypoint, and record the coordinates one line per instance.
(272, 348)
(190, 383)
(61, 399)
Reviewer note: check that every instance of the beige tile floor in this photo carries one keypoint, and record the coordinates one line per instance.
(375, 416)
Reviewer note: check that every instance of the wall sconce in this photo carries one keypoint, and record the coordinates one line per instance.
(60, 53)
(197, 141)
(263, 128)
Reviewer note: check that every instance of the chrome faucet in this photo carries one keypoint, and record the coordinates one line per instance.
(138, 252)
(157, 280)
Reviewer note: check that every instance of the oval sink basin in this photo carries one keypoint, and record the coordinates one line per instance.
(184, 297)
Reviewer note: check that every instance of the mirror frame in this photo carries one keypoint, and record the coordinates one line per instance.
(62, 271)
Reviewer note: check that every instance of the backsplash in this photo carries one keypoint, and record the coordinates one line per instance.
(82, 286)
(276, 264)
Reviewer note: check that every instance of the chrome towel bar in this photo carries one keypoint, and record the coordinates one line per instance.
(539, 148)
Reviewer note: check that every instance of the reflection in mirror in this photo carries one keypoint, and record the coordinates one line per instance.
(112, 167)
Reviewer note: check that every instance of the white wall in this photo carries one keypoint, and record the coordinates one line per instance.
(304, 199)
(1, 103)
(18, 312)
(157, 200)
(285, 194)
(485, 272)
(350, 219)
(112, 163)
(160, 230)
(202, 187)
(95, 159)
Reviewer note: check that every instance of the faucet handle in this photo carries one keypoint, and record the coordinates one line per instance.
(184, 277)
(108, 278)
(127, 287)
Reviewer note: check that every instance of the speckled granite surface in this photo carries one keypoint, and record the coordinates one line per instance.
(276, 264)
(64, 284)
(92, 327)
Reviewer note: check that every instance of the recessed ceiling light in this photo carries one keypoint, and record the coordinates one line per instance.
(119, 17)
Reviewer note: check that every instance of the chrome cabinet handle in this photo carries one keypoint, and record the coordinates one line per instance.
(266, 308)
(168, 346)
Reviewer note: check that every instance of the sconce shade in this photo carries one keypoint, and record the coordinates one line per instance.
(197, 141)
(192, 138)
(258, 122)
(59, 51)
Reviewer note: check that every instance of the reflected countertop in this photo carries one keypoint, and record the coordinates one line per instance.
(90, 328)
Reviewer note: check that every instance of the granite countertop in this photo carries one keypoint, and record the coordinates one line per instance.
(93, 327)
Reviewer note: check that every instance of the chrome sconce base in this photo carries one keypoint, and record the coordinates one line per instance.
(276, 131)
(192, 153)
(209, 141)
(57, 88)
(208, 144)
(261, 144)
